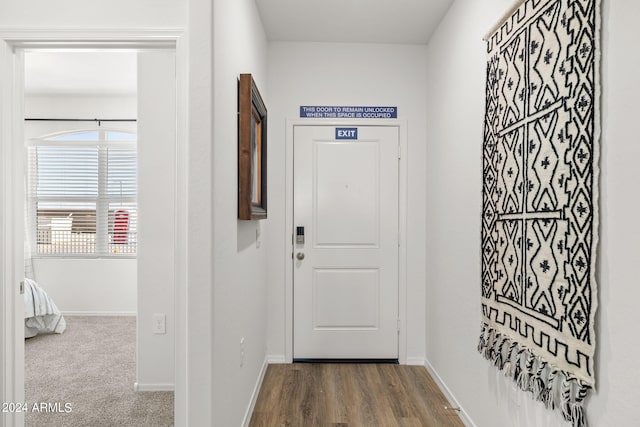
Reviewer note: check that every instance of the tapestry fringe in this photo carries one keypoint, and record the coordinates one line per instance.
(547, 384)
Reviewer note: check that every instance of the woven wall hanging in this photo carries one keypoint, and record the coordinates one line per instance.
(540, 194)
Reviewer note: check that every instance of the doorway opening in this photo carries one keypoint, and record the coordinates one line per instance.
(81, 233)
(69, 228)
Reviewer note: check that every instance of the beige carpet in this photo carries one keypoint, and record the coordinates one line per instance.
(85, 377)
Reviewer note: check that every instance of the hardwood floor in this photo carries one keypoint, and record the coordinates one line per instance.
(351, 395)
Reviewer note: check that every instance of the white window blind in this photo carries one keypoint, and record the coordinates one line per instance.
(82, 190)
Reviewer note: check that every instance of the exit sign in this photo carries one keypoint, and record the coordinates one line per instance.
(346, 133)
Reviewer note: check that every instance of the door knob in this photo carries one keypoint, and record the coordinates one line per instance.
(300, 256)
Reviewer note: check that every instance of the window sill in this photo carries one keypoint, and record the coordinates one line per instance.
(80, 257)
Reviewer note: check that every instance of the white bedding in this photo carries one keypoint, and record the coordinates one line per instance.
(41, 315)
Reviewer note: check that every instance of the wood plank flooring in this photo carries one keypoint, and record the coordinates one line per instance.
(351, 395)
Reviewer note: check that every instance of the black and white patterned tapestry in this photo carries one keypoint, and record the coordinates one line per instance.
(540, 217)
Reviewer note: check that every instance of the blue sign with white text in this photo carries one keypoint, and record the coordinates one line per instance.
(346, 133)
(347, 112)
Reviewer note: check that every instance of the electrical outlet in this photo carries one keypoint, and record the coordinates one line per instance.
(241, 352)
(159, 323)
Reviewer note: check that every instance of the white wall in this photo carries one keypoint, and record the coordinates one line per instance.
(239, 266)
(194, 297)
(89, 286)
(84, 286)
(347, 74)
(456, 73)
(76, 106)
(155, 353)
(107, 14)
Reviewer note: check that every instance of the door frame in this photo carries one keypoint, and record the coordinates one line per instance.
(402, 223)
(12, 44)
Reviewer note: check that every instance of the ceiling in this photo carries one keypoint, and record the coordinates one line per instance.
(356, 21)
(344, 21)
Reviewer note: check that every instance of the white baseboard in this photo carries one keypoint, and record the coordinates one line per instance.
(276, 359)
(415, 361)
(449, 395)
(153, 387)
(254, 395)
(98, 313)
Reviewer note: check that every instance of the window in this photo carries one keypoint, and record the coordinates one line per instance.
(82, 190)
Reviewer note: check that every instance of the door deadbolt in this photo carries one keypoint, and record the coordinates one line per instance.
(300, 235)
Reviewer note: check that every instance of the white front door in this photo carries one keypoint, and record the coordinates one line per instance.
(346, 272)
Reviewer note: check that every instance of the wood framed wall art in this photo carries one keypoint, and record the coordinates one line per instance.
(252, 151)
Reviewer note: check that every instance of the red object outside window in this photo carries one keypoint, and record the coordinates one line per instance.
(121, 227)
